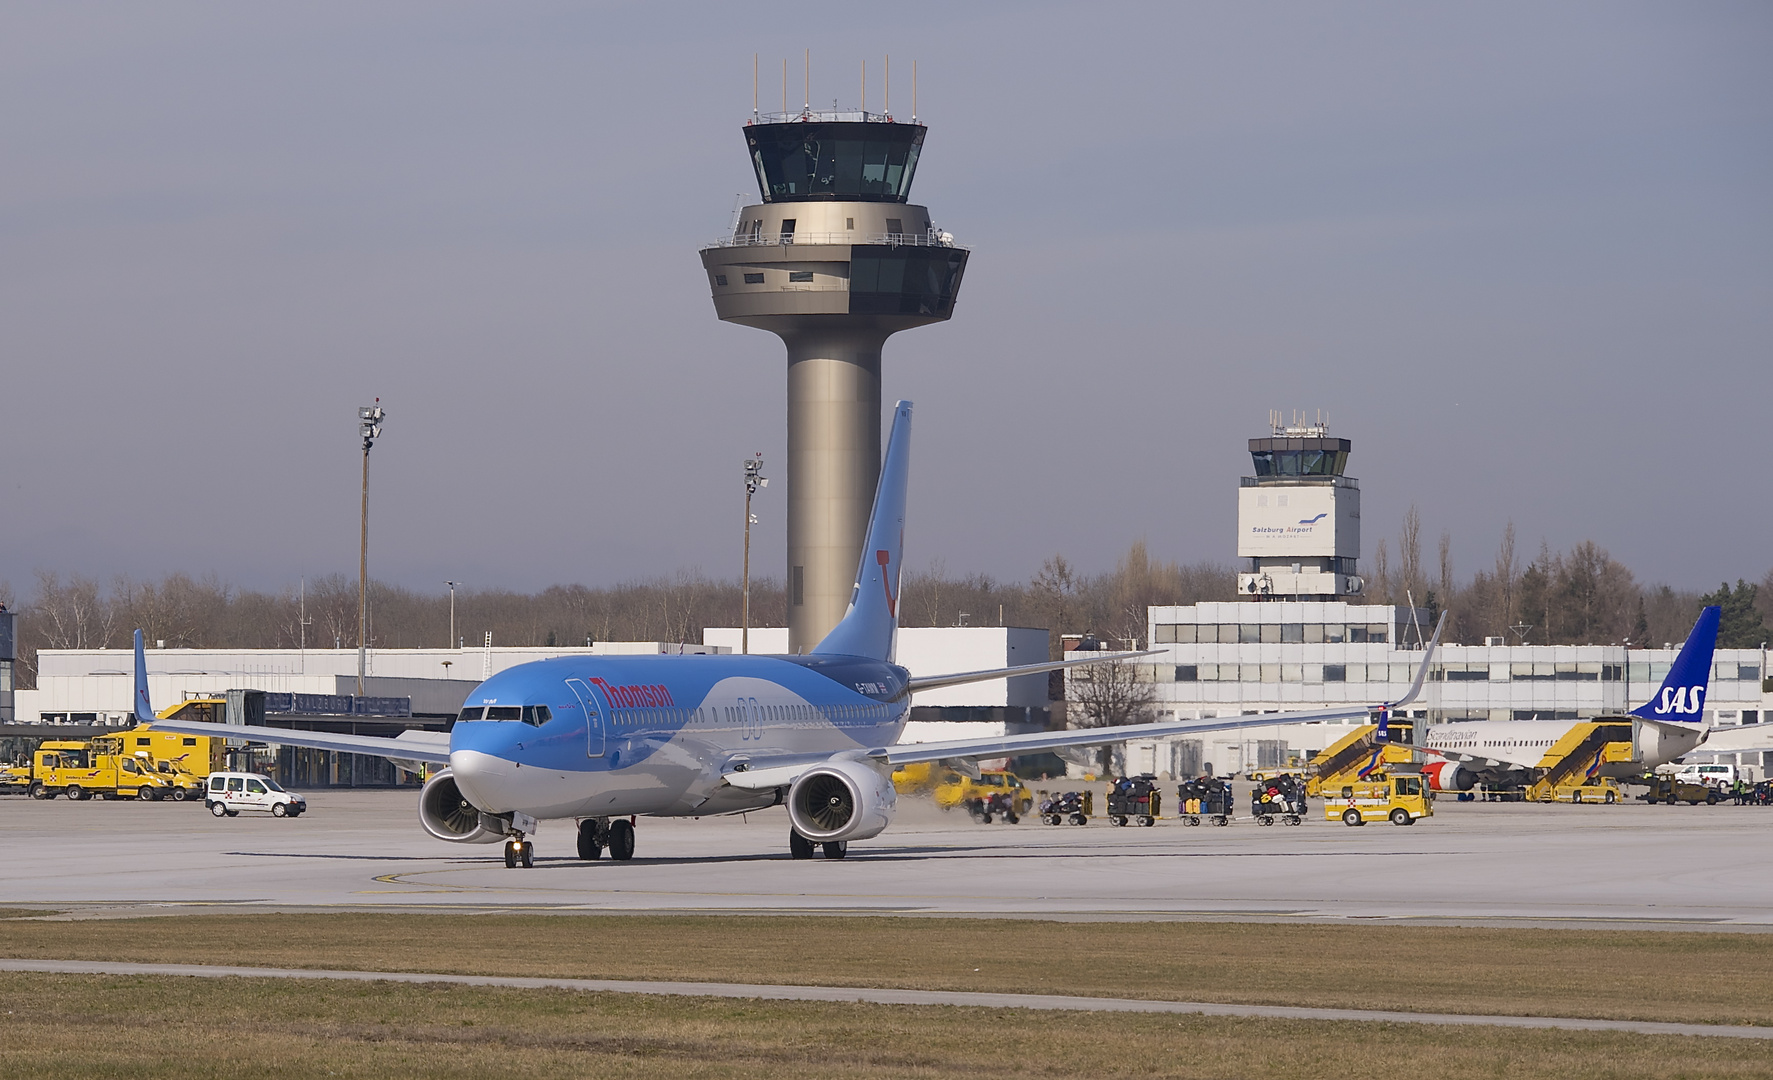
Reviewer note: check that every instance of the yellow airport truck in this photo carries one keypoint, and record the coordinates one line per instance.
(1400, 798)
(81, 769)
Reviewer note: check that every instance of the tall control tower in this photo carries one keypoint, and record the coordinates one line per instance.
(833, 261)
(1298, 518)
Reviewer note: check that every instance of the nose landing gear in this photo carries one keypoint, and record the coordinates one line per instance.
(519, 851)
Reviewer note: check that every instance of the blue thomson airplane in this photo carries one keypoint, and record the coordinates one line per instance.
(605, 740)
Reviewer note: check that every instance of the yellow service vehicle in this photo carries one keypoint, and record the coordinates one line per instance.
(919, 778)
(963, 791)
(1401, 798)
(1599, 790)
(82, 769)
(182, 761)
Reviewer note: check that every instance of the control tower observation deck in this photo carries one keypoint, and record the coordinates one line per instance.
(1298, 518)
(833, 260)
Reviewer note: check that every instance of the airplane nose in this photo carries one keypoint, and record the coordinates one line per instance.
(480, 760)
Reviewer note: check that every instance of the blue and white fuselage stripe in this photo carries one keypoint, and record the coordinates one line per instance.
(653, 734)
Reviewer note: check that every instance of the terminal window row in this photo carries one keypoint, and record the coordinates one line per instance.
(1269, 633)
(1307, 673)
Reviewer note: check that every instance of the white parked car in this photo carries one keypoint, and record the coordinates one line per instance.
(1717, 776)
(231, 792)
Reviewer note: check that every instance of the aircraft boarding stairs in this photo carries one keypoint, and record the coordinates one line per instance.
(1341, 762)
(1583, 752)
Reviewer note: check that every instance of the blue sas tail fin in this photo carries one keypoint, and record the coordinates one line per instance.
(869, 626)
(1681, 699)
(144, 712)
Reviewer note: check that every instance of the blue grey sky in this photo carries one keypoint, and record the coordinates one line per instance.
(1521, 253)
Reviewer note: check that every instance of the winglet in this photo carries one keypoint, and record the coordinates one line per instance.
(868, 628)
(1421, 672)
(1681, 698)
(144, 712)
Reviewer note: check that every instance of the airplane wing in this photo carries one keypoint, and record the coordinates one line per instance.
(1476, 761)
(769, 773)
(936, 682)
(429, 747)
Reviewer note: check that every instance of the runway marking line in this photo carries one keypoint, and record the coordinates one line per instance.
(770, 992)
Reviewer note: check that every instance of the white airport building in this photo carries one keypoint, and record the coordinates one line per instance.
(1304, 640)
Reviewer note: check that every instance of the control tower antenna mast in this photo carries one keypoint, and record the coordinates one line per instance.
(834, 259)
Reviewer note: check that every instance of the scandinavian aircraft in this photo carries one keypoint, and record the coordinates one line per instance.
(1507, 751)
(605, 740)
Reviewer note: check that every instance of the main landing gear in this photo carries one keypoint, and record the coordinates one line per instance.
(800, 847)
(595, 834)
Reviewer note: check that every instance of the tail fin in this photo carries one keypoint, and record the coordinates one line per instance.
(1681, 699)
(144, 712)
(869, 626)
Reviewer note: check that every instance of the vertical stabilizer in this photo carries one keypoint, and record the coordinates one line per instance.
(872, 620)
(1681, 699)
(144, 712)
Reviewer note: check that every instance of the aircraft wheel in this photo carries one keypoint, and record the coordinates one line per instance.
(528, 859)
(218, 809)
(589, 847)
(799, 847)
(510, 855)
(621, 840)
(836, 849)
(1352, 817)
(1400, 816)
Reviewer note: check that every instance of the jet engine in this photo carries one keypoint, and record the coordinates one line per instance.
(1448, 776)
(448, 815)
(843, 799)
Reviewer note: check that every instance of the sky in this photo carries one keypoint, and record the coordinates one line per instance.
(1520, 253)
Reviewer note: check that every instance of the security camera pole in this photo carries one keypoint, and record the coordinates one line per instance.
(754, 479)
(369, 426)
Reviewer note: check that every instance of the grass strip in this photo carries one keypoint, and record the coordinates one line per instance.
(1605, 974)
(193, 1029)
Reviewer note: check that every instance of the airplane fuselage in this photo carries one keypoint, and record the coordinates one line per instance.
(587, 737)
(1522, 744)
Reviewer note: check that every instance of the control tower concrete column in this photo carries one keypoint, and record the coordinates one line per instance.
(834, 260)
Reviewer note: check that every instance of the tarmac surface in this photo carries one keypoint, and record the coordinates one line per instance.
(1625, 866)
(772, 992)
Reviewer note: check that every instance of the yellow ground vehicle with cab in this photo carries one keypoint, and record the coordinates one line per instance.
(1400, 798)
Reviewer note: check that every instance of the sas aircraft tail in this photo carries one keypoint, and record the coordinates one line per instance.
(1681, 699)
(144, 712)
(868, 628)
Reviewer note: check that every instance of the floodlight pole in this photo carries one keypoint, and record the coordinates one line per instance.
(369, 427)
(754, 479)
(452, 614)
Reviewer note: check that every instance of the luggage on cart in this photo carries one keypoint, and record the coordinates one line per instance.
(1207, 797)
(1282, 798)
(999, 805)
(1134, 799)
(1074, 807)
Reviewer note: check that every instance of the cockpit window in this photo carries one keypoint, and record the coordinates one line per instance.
(504, 712)
(472, 712)
(536, 715)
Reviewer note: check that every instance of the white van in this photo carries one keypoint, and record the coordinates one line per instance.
(1717, 776)
(228, 793)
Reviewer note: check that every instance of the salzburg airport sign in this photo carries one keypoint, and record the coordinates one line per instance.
(1301, 522)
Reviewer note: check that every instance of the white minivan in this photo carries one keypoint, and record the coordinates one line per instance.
(1717, 776)
(231, 792)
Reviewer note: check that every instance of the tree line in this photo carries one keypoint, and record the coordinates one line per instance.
(1580, 596)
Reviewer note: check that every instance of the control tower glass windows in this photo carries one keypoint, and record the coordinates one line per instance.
(1299, 457)
(865, 162)
(905, 280)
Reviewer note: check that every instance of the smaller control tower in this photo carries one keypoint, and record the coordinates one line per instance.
(1298, 518)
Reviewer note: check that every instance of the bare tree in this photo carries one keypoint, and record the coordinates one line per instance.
(1409, 555)
(1507, 581)
(1380, 592)
(1112, 694)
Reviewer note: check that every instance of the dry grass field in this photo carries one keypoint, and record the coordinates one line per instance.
(197, 1029)
(1691, 977)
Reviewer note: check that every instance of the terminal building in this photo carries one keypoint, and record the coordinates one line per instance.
(1304, 640)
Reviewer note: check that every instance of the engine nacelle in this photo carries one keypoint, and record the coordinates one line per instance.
(843, 799)
(1448, 776)
(448, 815)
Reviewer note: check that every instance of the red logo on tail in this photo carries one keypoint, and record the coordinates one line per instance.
(883, 558)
